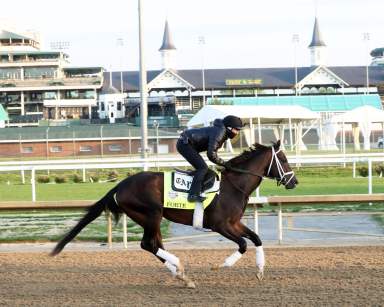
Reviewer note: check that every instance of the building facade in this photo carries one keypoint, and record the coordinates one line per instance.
(36, 84)
(178, 93)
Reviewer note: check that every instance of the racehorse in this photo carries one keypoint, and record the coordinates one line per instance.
(141, 197)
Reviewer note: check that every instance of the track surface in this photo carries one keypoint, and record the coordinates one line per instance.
(342, 276)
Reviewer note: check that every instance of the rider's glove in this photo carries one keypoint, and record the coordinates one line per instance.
(227, 165)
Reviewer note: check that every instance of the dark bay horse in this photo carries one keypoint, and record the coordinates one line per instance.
(141, 197)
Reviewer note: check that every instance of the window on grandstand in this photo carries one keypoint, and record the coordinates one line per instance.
(115, 147)
(72, 94)
(39, 72)
(85, 148)
(88, 94)
(119, 106)
(27, 150)
(49, 95)
(56, 149)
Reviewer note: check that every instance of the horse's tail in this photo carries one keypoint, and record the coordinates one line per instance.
(93, 212)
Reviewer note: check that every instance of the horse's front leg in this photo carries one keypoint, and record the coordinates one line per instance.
(260, 259)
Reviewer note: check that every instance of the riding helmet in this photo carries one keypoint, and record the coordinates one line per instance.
(230, 122)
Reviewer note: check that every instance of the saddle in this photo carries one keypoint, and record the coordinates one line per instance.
(182, 180)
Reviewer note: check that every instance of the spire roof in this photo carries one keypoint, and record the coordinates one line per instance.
(167, 39)
(317, 40)
(109, 88)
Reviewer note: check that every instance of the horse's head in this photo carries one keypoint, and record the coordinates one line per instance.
(280, 169)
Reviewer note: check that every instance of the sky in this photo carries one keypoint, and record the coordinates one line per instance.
(238, 34)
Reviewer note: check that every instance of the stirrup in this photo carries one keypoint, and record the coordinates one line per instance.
(196, 198)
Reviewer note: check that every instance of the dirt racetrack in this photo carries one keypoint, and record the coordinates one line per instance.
(342, 276)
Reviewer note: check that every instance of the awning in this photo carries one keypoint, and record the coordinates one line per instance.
(276, 114)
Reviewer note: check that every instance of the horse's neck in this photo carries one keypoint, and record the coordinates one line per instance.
(260, 167)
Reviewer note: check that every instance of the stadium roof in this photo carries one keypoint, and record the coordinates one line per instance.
(283, 77)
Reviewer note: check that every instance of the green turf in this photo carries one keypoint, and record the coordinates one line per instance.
(308, 184)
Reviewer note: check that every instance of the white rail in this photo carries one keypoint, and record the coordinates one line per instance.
(175, 161)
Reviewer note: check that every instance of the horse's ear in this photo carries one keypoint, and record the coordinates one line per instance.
(277, 145)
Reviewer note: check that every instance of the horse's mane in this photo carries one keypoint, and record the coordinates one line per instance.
(251, 152)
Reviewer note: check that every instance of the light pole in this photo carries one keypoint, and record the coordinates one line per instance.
(366, 38)
(295, 41)
(156, 125)
(201, 41)
(120, 44)
(143, 90)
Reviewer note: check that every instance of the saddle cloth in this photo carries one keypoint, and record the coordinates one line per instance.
(177, 184)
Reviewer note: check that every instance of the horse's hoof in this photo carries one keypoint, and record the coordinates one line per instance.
(191, 285)
(215, 268)
(260, 275)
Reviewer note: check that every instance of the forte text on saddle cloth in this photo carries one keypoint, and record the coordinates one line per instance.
(176, 186)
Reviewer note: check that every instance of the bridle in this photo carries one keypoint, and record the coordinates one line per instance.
(285, 177)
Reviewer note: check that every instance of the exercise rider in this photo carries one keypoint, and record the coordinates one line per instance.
(210, 139)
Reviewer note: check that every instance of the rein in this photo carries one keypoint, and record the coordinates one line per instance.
(280, 169)
(244, 171)
(236, 186)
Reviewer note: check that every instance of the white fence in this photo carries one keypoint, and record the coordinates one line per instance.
(172, 161)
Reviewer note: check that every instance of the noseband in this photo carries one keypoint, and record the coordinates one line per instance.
(282, 174)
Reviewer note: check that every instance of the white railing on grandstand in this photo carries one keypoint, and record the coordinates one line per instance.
(175, 161)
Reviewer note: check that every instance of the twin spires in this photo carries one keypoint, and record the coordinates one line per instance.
(167, 39)
(317, 47)
(167, 49)
(317, 40)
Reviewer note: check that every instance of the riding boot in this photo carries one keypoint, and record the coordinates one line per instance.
(195, 190)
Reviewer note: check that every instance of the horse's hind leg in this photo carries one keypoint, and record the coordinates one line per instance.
(231, 233)
(152, 242)
(260, 259)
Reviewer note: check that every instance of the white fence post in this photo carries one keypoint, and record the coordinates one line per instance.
(280, 224)
(33, 184)
(354, 169)
(22, 176)
(369, 176)
(256, 219)
(84, 179)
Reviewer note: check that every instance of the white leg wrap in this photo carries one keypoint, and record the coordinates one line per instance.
(198, 215)
(171, 267)
(260, 259)
(231, 260)
(168, 257)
